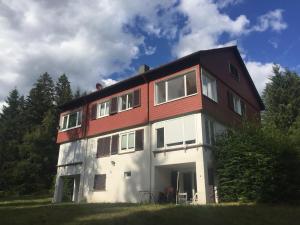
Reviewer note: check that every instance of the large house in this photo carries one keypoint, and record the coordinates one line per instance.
(153, 133)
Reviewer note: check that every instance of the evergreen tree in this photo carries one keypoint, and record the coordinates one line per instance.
(282, 99)
(11, 134)
(41, 98)
(63, 90)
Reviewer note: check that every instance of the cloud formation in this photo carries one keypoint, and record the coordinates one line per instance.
(89, 42)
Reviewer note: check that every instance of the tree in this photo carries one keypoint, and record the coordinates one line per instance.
(11, 133)
(41, 98)
(63, 90)
(282, 99)
(257, 163)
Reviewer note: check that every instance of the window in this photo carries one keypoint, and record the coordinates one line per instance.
(176, 132)
(127, 141)
(209, 131)
(236, 104)
(127, 174)
(125, 102)
(114, 144)
(103, 147)
(100, 182)
(71, 120)
(175, 88)
(209, 86)
(103, 109)
(234, 72)
(160, 141)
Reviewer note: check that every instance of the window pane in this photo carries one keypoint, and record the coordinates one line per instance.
(102, 109)
(174, 131)
(79, 118)
(191, 87)
(130, 100)
(176, 88)
(160, 92)
(124, 141)
(160, 141)
(204, 85)
(123, 102)
(72, 120)
(106, 108)
(209, 86)
(65, 120)
(131, 140)
(189, 129)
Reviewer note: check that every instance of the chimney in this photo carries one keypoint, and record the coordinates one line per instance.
(98, 87)
(143, 68)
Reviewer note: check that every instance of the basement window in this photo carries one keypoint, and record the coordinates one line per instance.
(127, 174)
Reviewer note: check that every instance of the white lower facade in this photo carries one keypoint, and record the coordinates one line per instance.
(183, 162)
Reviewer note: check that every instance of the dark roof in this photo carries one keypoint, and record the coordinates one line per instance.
(155, 73)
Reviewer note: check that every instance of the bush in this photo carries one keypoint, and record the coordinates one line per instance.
(256, 164)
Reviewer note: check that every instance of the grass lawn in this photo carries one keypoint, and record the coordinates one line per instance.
(41, 211)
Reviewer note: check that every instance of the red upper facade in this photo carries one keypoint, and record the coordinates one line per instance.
(213, 81)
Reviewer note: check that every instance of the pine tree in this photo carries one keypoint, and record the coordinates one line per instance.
(282, 99)
(63, 90)
(11, 134)
(41, 98)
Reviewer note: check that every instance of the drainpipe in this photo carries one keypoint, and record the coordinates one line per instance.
(149, 137)
(85, 155)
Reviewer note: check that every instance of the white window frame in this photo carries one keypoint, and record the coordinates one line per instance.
(99, 105)
(211, 83)
(166, 82)
(120, 102)
(163, 125)
(127, 142)
(79, 115)
(237, 106)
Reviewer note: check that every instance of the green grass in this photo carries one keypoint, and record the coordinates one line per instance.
(41, 211)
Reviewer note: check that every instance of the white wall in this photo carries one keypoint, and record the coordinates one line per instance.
(118, 188)
(141, 164)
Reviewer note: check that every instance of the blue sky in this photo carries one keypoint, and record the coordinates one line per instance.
(106, 40)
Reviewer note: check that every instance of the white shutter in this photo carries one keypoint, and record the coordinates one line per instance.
(189, 128)
(174, 131)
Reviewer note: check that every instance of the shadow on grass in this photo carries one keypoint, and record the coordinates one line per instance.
(134, 214)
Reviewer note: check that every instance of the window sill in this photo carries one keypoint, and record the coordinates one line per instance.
(126, 151)
(124, 110)
(99, 117)
(182, 147)
(69, 129)
(158, 104)
(210, 99)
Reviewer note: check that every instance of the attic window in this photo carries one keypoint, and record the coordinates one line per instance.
(234, 72)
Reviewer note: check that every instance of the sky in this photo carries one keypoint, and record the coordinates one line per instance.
(106, 40)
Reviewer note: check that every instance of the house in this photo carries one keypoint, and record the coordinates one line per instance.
(154, 131)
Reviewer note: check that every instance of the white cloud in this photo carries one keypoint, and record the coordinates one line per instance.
(74, 37)
(90, 41)
(108, 82)
(272, 20)
(2, 103)
(225, 3)
(260, 73)
(205, 25)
